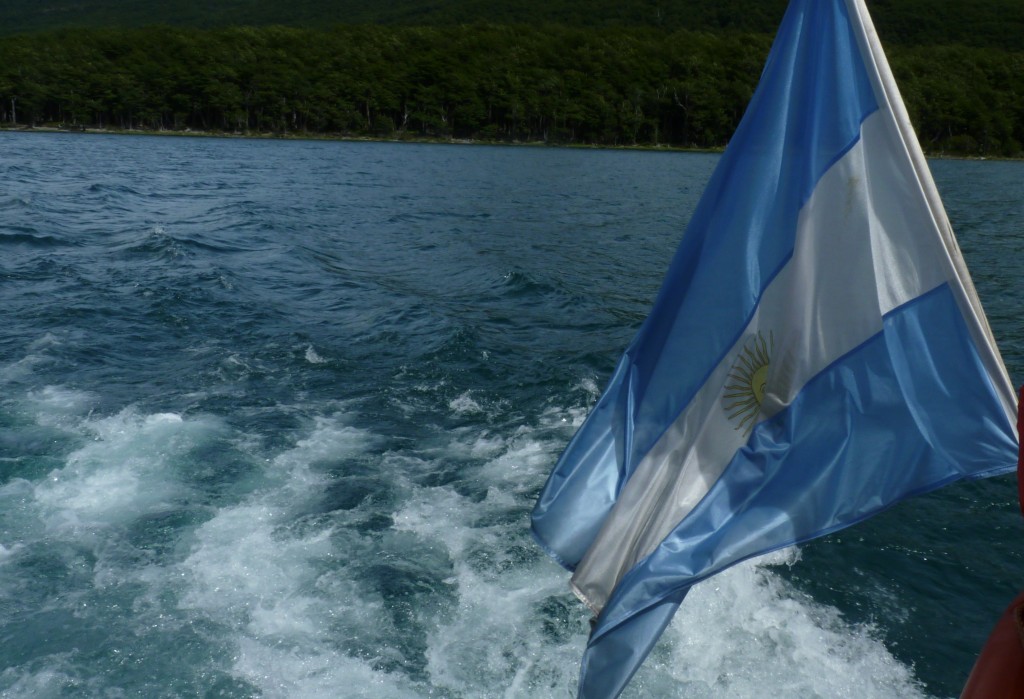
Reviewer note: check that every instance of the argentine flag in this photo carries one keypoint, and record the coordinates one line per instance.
(816, 353)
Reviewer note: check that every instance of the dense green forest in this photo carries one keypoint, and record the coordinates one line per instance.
(620, 86)
(981, 23)
(675, 72)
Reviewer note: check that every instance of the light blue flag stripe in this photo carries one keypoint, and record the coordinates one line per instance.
(813, 91)
(612, 659)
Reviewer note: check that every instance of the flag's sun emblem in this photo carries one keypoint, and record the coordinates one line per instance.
(748, 381)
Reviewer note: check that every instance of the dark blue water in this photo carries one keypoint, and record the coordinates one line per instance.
(273, 416)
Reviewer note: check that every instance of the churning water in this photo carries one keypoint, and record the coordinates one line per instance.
(273, 416)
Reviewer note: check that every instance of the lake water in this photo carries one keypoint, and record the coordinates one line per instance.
(273, 416)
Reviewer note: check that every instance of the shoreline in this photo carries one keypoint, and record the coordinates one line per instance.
(342, 138)
(339, 137)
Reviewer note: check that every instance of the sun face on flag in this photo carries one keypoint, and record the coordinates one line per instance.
(748, 381)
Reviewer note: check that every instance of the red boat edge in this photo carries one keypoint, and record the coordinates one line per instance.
(999, 671)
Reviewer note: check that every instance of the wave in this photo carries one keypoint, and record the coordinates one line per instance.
(31, 238)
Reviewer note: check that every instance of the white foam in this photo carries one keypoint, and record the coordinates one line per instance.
(471, 443)
(465, 404)
(522, 462)
(561, 418)
(7, 552)
(272, 579)
(484, 445)
(245, 556)
(312, 357)
(45, 683)
(516, 631)
(47, 340)
(493, 643)
(285, 591)
(590, 386)
(126, 470)
(330, 440)
(20, 369)
(283, 673)
(56, 406)
(26, 365)
(279, 577)
(747, 633)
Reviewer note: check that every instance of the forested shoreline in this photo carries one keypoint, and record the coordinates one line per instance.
(553, 84)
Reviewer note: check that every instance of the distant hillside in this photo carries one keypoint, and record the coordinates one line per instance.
(980, 23)
(552, 84)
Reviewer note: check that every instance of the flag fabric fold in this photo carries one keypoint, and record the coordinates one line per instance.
(817, 353)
